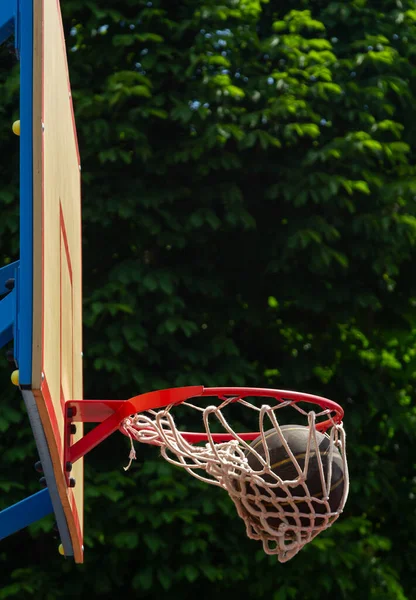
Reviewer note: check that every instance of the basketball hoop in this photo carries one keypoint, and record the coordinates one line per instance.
(284, 504)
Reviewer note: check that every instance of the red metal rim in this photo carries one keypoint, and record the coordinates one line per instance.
(280, 396)
(336, 411)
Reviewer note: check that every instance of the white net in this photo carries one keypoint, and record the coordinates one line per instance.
(284, 504)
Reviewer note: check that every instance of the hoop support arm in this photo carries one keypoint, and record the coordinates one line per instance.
(110, 413)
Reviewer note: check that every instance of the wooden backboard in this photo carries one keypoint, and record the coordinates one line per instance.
(57, 285)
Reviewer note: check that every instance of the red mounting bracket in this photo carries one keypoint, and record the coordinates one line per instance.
(110, 414)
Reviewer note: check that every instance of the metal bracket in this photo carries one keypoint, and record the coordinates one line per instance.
(6, 273)
(8, 303)
(25, 513)
(110, 414)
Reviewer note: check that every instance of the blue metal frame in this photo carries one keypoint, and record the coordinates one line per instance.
(16, 307)
(24, 513)
(13, 19)
(25, 298)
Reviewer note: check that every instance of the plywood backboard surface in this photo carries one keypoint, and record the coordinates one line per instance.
(57, 312)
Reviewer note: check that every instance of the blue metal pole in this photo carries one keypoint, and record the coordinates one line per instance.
(24, 513)
(25, 292)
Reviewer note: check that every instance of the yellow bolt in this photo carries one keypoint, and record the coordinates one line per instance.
(15, 377)
(16, 128)
(61, 550)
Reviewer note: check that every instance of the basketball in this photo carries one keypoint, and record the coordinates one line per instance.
(282, 465)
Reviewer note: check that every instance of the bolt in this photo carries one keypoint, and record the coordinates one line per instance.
(72, 482)
(73, 429)
(42, 482)
(9, 285)
(70, 412)
(68, 466)
(38, 467)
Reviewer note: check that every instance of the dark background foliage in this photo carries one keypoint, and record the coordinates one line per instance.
(248, 219)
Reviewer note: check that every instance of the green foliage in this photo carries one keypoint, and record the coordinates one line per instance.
(249, 209)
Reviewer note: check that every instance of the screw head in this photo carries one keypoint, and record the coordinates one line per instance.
(42, 482)
(73, 429)
(38, 467)
(70, 412)
(72, 483)
(9, 285)
(68, 466)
